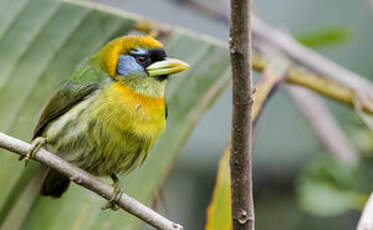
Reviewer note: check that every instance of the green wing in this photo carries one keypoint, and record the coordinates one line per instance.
(69, 95)
(82, 83)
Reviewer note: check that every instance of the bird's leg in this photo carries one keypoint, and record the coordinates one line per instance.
(118, 191)
(36, 144)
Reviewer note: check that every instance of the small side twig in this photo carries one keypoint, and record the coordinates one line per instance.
(366, 220)
(324, 124)
(241, 149)
(90, 182)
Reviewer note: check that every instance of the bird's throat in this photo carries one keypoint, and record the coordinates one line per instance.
(137, 96)
(145, 86)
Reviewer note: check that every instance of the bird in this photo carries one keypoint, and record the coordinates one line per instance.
(107, 116)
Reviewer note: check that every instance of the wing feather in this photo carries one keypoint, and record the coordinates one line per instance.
(69, 95)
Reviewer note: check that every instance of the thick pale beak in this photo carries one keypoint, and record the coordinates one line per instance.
(166, 67)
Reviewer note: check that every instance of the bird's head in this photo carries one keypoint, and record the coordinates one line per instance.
(139, 62)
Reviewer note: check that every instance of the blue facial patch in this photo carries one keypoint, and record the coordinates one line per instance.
(127, 64)
(140, 51)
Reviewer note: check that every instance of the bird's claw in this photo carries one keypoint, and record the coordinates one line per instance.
(112, 203)
(36, 144)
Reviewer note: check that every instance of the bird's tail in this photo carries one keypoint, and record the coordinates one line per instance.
(54, 184)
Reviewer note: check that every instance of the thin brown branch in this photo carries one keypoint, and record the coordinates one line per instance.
(324, 124)
(241, 150)
(366, 219)
(90, 182)
(266, 86)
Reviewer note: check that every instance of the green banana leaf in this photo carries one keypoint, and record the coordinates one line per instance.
(41, 43)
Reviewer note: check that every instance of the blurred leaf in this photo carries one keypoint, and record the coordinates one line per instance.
(325, 37)
(328, 187)
(219, 211)
(41, 43)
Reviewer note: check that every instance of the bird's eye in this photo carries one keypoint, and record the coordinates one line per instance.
(141, 60)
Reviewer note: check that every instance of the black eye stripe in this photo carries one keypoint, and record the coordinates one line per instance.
(157, 55)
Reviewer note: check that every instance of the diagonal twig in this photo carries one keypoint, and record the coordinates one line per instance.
(90, 182)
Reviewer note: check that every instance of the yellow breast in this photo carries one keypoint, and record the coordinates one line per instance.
(131, 112)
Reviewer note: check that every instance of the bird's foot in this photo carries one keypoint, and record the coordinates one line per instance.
(36, 144)
(118, 191)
